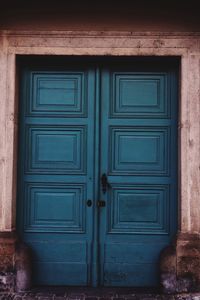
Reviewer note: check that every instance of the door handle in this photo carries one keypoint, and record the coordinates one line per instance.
(104, 183)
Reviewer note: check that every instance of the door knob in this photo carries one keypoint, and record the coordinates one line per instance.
(89, 203)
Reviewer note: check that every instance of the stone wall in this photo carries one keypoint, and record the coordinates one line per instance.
(180, 264)
(7, 261)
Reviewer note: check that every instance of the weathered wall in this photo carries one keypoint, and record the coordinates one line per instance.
(101, 15)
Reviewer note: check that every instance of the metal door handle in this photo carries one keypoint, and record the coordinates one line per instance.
(104, 183)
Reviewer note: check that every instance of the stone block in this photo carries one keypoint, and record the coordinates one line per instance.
(7, 282)
(23, 267)
(180, 265)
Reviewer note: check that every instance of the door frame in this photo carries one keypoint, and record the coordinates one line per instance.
(182, 45)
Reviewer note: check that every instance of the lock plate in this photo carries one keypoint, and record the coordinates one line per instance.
(101, 203)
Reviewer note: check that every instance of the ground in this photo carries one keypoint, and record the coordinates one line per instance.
(95, 294)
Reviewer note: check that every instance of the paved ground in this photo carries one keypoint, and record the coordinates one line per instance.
(95, 294)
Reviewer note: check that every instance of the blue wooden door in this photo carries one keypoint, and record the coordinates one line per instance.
(55, 177)
(97, 170)
(139, 159)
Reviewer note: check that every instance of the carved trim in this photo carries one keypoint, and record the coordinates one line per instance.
(107, 42)
(107, 34)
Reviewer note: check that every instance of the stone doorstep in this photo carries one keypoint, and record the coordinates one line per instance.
(79, 293)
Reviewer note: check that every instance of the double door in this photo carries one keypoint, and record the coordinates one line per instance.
(97, 180)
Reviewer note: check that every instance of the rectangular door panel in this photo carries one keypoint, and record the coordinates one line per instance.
(139, 150)
(57, 94)
(139, 95)
(138, 209)
(54, 207)
(56, 149)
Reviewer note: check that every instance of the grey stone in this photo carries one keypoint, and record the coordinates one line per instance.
(7, 282)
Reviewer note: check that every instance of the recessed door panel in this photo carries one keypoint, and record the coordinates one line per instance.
(54, 207)
(56, 149)
(139, 150)
(56, 93)
(138, 209)
(139, 95)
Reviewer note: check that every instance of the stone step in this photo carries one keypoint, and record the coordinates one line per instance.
(79, 293)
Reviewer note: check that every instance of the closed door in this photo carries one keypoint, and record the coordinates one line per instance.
(98, 170)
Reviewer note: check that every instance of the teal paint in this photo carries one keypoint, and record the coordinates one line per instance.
(79, 121)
